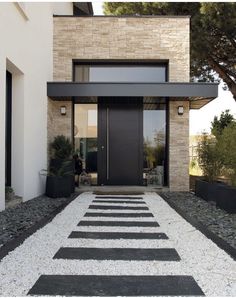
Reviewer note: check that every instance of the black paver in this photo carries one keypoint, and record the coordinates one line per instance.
(148, 254)
(117, 197)
(113, 214)
(118, 223)
(108, 207)
(94, 285)
(117, 235)
(118, 202)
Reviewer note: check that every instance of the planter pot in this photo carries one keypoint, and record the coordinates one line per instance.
(56, 164)
(222, 194)
(205, 190)
(227, 199)
(58, 187)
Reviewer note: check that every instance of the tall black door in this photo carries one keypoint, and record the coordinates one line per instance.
(120, 141)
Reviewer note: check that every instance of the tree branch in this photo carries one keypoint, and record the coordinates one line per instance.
(223, 75)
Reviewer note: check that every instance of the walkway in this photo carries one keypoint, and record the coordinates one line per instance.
(118, 246)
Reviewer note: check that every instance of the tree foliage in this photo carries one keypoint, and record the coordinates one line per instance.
(227, 148)
(219, 124)
(213, 34)
(209, 158)
(217, 155)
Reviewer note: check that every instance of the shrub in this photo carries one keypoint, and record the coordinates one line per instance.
(61, 148)
(227, 148)
(209, 158)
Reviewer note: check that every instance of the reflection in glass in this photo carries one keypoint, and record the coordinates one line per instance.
(154, 134)
(120, 73)
(85, 139)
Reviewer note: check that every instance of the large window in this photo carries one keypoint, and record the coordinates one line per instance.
(121, 73)
(85, 139)
(154, 143)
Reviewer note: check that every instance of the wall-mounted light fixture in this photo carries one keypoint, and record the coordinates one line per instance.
(180, 110)
(63, 110)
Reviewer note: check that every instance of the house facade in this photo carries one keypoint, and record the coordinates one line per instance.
(118, 87)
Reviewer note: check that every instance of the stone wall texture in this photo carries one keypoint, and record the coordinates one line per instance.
(178, 146)
(121, 38)
(136, 38)
(59, 124)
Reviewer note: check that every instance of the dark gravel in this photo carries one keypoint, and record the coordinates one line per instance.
(216, 220)
(14, 221)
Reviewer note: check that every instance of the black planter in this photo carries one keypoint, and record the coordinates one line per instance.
(222, 194)
(56, 164)
(58, 187)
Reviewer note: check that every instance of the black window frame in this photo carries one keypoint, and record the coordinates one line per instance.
(131, 62)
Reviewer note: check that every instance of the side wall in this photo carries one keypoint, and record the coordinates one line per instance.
(26, 51)
(136, 38)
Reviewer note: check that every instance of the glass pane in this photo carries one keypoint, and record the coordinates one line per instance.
(85, 138)
(120, 74)
(154, 135)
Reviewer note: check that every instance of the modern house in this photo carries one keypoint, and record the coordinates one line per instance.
(118, 87)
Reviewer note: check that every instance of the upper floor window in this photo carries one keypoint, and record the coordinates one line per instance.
(120, 73)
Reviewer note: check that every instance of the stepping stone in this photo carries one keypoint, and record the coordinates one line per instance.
(117, 235)
(99, 285)
(118, 202)
(127, 254)
(118, 223)
(117, 207)
(111, 197)
(98, 214)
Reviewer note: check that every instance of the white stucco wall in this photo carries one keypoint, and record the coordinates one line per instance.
(26, 34)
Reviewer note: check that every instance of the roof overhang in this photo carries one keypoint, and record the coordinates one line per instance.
(198, 94)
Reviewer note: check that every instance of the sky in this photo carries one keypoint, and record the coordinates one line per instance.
(200, 120)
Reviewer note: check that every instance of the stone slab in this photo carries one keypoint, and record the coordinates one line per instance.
(113, 214)
(129, 254)
(118, 223)
(117, 235)
(110, 207)
(94, 285)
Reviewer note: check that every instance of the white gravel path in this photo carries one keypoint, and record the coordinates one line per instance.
(211, 267)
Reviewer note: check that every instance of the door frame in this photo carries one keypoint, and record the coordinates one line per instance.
(8, 129)
(103, 136)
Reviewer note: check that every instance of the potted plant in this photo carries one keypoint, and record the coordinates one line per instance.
(60, 176)
(9, 192)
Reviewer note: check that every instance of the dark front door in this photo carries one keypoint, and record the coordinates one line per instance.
(120, 141)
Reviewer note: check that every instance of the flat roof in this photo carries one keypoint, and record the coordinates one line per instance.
(198, 94)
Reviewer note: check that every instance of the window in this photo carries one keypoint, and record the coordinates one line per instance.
(120, 73)
(154, 143)
(85, 138)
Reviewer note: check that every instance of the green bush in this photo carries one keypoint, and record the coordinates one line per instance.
(209, 158)
(61, 148)
(217, 155)
(227, 147)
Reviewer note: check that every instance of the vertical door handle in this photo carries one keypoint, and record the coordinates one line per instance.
(107, 143)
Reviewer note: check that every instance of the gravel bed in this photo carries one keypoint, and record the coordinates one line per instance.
(14, 221)
(215, 219)
(211, 267)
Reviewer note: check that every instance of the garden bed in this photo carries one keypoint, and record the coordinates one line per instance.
(16, 220)
(223, 195)
(214, 219)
